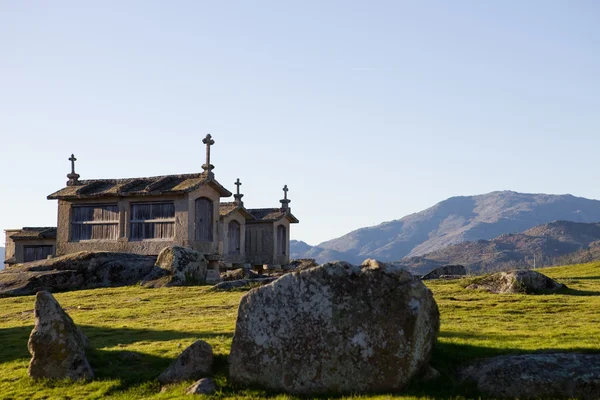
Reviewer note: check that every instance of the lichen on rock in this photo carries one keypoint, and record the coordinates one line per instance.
(56, 344)
(336, 328)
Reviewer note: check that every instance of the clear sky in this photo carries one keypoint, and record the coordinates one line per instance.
(367, 110)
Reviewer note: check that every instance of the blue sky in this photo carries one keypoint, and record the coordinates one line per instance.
(368, 111)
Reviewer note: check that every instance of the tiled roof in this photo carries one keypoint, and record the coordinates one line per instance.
(152, 186)
(35, 233)
(227, 208)
(271, 214)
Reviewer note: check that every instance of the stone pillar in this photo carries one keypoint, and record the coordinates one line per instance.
(213, 274)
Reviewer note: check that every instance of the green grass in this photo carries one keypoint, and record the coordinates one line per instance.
(137, 332)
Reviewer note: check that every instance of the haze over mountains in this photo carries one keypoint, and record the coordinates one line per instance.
(452, 221)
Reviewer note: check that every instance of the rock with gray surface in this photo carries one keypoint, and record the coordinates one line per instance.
(83, 270)
(193, 363)
(206, 386)
(521, 281)
(177, 266)
(229, 285)
(56, 345)
(239, 274)
(455, 270)
(552, 375)
(336, 328)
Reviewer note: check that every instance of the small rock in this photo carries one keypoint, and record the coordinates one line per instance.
(430, 374)
(130, 356)
(205, 386)
(194, 362)
(56, 344)
(228, 285)
(521, 281)
(445, 270)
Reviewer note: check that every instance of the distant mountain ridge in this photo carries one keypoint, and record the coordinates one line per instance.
(452, 221)
(2, 255)
(559, 242)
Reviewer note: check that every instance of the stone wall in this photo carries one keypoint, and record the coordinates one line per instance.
(184, 226)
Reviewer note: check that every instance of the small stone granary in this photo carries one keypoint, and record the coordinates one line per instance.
(29, 244)
(145, 215)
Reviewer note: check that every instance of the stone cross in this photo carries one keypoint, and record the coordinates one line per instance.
(208, 141)
(238, 196)
(73, 177)
(72, 159)
(285, 202)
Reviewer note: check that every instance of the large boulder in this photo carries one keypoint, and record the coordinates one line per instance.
(177, 266)
(521, 281)
(552, 375)
(83, 270)
(336, 328)
(193, 363)
(56, 345)
(455, 270)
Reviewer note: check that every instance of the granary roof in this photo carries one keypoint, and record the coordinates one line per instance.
(226, 209)
(272, 214)
(34, 233)
(151, 186)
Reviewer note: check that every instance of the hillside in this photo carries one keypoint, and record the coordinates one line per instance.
(135, 333)
(452, 221)
(550, 244)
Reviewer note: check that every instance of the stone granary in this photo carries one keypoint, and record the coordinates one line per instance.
(145, 215)
(29, 244)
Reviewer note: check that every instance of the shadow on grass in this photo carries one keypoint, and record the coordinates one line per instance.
(14, 340)
(136, 372)
(576, 292)
(582, 278)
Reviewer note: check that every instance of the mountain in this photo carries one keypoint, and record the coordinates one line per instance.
(558, 242)
(2, 258)
(452, 221)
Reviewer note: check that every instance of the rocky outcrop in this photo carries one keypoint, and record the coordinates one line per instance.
(559, 375)
(301, 264)
(445, 270)
(522, 281)
(206, 386)
(336, 328)
(83, 270)
(177, 266)
(239, 274)
(229, 285)
(195, 362)
(56, 345)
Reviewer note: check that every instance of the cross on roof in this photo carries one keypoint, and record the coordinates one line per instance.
(238, 184)
(208, 141)
(73, 177)
(285, 190)
(72, 159)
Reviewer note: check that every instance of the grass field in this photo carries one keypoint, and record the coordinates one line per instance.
(135, 333)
